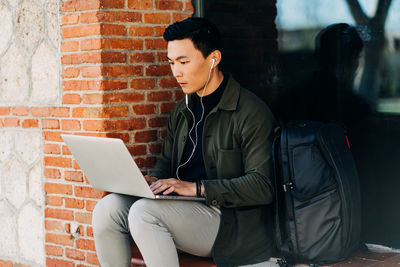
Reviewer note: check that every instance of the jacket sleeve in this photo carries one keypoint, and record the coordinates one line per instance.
(255, 130)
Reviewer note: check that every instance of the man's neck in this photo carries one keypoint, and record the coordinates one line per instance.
(215, 80)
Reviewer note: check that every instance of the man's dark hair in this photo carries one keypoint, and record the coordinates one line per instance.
(339, 41)
(203, 33)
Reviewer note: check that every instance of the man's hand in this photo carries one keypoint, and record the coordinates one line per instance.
(167, 186)
(150, 179)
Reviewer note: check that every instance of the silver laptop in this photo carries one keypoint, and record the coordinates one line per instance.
(109, 166)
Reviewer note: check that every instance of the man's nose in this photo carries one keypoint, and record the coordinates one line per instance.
(176, 71)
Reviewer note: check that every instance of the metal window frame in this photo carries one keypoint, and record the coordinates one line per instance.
(198, 6)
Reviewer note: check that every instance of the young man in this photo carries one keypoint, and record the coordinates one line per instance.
(218, 146)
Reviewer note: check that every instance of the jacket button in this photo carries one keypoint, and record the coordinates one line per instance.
(214, 202)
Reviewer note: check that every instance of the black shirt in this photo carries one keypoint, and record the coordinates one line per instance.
(194, 169)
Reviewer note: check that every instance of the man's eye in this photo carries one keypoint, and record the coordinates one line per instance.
(184, 62)
(171, 63)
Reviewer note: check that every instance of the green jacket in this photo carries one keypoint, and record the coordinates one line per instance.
(237, 139)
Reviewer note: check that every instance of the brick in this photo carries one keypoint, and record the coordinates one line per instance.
(71, 99)
(51, 149)
(128, 124)
(69, 19)
(166, 108)
(52, 173)
(159, 96)
(122, 97)
(53, 136)
(112, 3)
(91, 71)
(54, 250)
(121, 71)
(143, 83)
(113, 57)
(142, 57)
(51, 225)
(62, 189)
(72, 203)
(92, 259)
(82, 85)
(70, 72)
(4, 111)
(92, 98)
(11, 122)
(159, 30)
(20, 111)
(30, 123)
(144, 109)
(123, 136)
(162, 57)
(188, 6)
(89, 231)
(1, 123)
(88, 192)
(60, 112)
(70, 46)
(66, 151)
(40, 112)
(155, 148)
(54, 201)
(85, 218)
(79, 5)
(103, 112)
(94, 125)
(58, 162)
(81, 31)
(90, 204)
(145, 136)
(158, 70)
(180, 16)
(70, 125)
(61, 214)
(169, 82)
(111, 29)
(85, 244)
(74, 254)
(169, 5)
(73, 176)
(132, 44)
(140, 4)
(147, 162)
(91, 44)
(71, 59)
(155, 44)
(50, 124)
(141, 31)
(137, 150)
(50, 262)
(110, 16)
(158, 122)
(157, 18)
(6, 263)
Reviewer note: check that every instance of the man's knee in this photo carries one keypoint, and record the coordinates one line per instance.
(143, 212)
(108, 211)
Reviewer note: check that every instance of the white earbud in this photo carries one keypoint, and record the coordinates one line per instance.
(212, 65)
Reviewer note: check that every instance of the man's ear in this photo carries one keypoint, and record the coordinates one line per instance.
(216, 56)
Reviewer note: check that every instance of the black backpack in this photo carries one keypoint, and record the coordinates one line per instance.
(318, 206)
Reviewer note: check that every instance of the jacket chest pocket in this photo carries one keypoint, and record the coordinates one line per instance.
(229, 163)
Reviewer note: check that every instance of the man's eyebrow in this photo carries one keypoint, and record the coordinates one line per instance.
(178, 58)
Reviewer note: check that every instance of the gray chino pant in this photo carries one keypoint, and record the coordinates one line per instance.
(158, 227)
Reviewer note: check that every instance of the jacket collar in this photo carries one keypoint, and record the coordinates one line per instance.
(229, 98)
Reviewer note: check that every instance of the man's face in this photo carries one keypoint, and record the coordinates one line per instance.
(188, 65)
